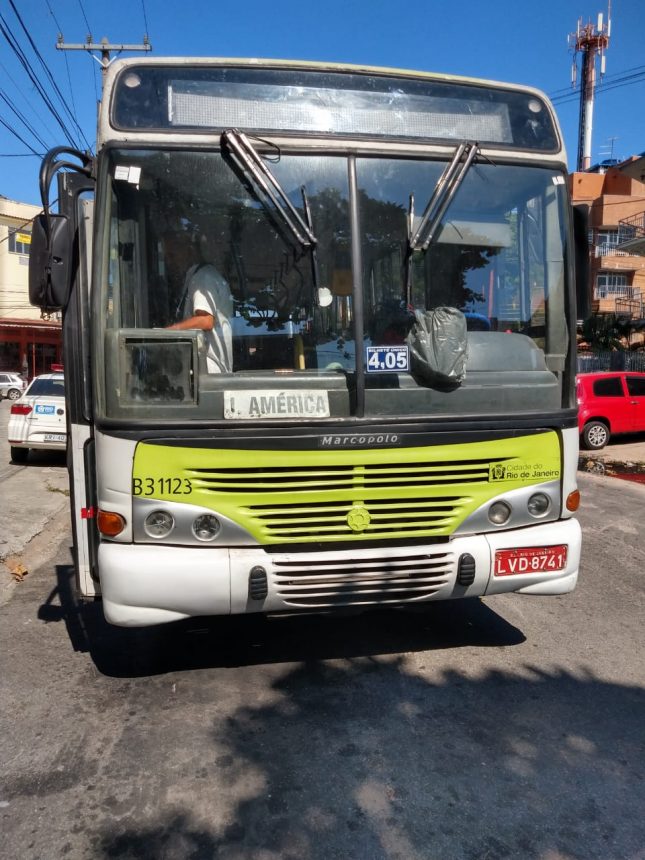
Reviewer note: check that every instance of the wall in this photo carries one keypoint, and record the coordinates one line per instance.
(28, 343)
(14, 268)
(612, 196)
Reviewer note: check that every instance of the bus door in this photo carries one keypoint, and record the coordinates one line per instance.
(76, 192)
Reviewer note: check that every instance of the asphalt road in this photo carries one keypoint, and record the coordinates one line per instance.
(506, 728)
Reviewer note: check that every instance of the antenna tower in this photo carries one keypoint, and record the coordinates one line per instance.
(591, 41)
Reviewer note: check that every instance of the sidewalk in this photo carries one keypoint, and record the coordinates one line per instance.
(624, 454)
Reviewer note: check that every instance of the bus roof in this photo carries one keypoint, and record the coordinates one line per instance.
(315, 65)
(193, 96)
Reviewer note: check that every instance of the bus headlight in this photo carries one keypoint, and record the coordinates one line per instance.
(499, 513)
(158, 524)
(206, 527)
(538, 504)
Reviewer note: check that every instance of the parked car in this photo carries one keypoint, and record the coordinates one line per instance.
(37, 419)
(609, 403)
(11, 385)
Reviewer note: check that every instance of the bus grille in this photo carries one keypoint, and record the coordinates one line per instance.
(400, 517)
(368, 579)
(393, 500)
(342, 477)
(283, 497)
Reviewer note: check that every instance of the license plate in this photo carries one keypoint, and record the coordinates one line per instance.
(55, 437)
(530, 559)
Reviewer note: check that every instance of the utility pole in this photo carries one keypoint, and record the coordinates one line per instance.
(591, 41)
(104, 47)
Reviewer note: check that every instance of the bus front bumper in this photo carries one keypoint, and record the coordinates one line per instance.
(145, 584)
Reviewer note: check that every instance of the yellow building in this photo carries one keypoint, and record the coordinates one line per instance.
(28, 343)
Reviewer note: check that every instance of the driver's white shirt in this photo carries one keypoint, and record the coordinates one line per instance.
(208, 291)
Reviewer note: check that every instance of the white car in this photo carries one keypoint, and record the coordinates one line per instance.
(11, 385)
(37, 419)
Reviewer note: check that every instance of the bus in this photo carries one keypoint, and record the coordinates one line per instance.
(395, 421)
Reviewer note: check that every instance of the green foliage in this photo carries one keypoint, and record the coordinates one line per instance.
(605, 331)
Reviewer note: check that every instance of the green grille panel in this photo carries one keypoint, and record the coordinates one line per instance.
(336, 478)
(283, 497)
(289, 522)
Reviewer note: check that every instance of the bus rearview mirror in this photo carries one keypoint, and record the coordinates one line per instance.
(50, 262)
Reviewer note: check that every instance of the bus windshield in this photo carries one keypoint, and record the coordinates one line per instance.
(182, 222)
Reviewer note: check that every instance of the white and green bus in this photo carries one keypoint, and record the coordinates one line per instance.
(396, 423)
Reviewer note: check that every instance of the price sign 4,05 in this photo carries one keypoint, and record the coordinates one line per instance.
(387, 359)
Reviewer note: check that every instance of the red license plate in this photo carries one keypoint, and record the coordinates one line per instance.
(530, 559)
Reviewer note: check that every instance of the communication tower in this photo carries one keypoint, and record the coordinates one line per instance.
(590, 40)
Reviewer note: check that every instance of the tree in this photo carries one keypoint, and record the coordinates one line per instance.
(605, 331)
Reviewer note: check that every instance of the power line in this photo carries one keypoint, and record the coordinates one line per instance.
(12, 107)
(87, 23)
(89, 39)
(48, 73)
(25, 223)
(69, 77)
(621, 82)
(5, 29)
(616, 81)
(26, 99)
(145, 18)
(21, 139)
(606, 79)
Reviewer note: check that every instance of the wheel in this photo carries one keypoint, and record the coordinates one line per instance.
(595, 435)
(19, 455)
(13, 393)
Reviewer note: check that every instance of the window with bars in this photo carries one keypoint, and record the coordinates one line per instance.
(609, 285)
(607, 242)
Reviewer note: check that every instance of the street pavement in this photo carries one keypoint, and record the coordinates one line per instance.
(508, 728)
(34, 506)
(624, 457)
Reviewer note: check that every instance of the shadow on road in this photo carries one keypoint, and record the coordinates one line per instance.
(200, 643)
(38, 459)
(312, 738)
(363, 759)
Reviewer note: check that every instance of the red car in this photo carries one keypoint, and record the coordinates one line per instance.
(609, 403)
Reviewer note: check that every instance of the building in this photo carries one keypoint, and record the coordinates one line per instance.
(616, 197)
(29, 343)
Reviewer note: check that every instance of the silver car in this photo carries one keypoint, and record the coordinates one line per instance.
(11, 385)
(37, 419)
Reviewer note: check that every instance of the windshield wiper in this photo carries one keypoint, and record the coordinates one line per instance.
(442, 196)
(267, 188)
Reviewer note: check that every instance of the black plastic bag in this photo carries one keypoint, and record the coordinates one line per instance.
(438, 343)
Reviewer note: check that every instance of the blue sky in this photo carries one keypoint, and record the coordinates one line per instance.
(506, 40)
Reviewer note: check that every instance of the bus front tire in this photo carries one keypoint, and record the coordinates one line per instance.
(595, 435)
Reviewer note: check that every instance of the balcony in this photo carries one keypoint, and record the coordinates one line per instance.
(624, 302)
(631, 235)
(630, 307)
(608, 250)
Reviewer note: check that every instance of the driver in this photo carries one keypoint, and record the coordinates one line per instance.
(206, 302)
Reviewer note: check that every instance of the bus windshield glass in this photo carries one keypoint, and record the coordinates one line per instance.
(190, 237)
